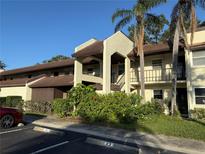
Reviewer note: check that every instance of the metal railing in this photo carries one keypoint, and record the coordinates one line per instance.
(153, 75)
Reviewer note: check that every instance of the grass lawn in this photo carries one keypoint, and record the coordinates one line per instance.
(170, 126)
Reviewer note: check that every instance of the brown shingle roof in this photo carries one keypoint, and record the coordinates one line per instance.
(95, 48)
(38, 67)
(153, 49)
(18, 82)
(65, 80)
(14, 82)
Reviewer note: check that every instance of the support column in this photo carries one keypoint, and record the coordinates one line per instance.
(101, 69)
(106, 70)
(78, 71)
(127, 75)
(188, 81)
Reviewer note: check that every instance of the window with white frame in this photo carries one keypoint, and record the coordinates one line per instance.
(157, 64)
(198, 58)
(158, 94)
(200, 95)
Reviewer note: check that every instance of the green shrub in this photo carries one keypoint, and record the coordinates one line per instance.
(77, 94)
(111, 108)
(198, 113)
(38, 107)
(2, 101)
(62, 107)
(12, 101)
(149, 108)
(90, 108)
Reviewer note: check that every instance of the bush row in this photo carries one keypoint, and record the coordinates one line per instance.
(11, 101)
(38, 107)
(116, 107)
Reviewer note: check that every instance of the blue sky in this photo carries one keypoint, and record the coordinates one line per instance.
(34, 30)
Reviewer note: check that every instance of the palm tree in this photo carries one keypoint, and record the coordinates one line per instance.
(154, 29)
(182, 13)
(137, 14)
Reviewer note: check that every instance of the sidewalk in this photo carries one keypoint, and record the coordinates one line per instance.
(157, 141)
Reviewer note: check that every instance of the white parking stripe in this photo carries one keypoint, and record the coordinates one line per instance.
(15, 130)
(50, 147)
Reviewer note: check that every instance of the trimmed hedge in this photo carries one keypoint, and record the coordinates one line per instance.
(12, 101)
(38, 107)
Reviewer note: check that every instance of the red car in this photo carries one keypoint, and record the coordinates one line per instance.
(9, 117)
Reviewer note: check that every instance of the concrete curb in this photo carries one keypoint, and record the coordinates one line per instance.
(71, 127)
(47, 130)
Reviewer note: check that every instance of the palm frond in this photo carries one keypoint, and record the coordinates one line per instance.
(193, 23)
(121, 13)
(123, 22)
(174, 17)
(200, 3)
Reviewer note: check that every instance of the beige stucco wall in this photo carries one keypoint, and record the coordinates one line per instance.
(195, 74)
(166, 63)
(149, 91)
(199, 37)
(14, 91)
(119, 43)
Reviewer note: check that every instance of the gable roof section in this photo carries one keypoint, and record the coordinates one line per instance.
(58, 81)
(93, 49)
(14, 82)
(38, 67)
(19, 82)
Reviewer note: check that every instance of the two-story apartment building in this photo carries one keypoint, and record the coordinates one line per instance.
(112, 65)
(117, 64)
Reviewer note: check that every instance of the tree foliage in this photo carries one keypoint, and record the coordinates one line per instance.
(154, 29)
(2, 65)
(56, 58)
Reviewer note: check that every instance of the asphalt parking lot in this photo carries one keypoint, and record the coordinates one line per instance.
(27, 140)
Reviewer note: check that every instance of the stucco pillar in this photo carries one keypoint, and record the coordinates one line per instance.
(127, 75)
(78, 71)
(188, 79)
(101, 68)
(106, 70)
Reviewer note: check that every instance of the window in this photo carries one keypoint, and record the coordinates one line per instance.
(29, 76)
(55, 73)
(198, 58)
(158, 94)
(121, 69)
(200, 95)
(157, 64)
(90, 70)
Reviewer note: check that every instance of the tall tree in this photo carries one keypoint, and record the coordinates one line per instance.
(56, 58)
(154, 29)
(2, 65)
(182, 13)
(137, 14)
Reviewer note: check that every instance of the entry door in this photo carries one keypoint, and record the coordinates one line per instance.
(182, 101)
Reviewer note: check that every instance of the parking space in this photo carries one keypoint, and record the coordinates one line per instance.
(26, 140)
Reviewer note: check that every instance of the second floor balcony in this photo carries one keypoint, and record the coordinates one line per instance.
(158, 75)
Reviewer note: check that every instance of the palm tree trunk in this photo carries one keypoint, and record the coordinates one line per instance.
(142, 85)
(174, 65)
(141, 53)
